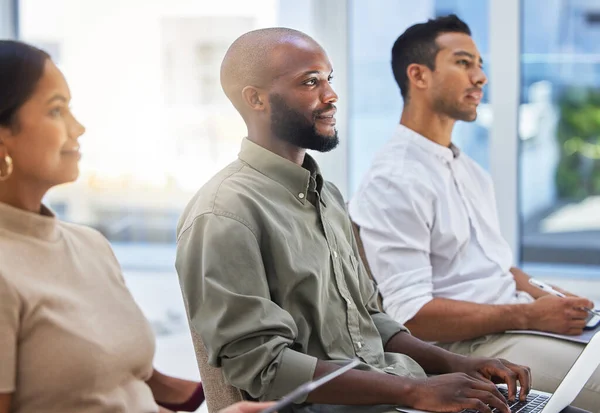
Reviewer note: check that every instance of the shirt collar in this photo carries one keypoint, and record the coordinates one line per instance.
(43, 225)
(448, 154)
(293, 177)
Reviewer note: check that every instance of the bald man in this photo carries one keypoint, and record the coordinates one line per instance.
(270, 270)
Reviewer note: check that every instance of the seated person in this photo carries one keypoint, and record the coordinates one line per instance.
(72, 338)
(270, 270)
(429, 226)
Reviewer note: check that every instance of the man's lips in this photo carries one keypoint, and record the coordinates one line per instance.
(327, 117)
(475, 95)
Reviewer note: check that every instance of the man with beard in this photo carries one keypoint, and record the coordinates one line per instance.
(430, 230)
(270, 270)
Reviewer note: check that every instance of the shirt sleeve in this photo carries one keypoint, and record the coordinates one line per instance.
(395, 216)
(9, 326)
(225, 288)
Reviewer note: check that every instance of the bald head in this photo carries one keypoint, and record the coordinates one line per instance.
(253, 60)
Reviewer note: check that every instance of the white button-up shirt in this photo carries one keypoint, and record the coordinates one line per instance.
(429, 225)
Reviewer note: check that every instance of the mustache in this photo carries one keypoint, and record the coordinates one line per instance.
(474, 89)
(319, 112)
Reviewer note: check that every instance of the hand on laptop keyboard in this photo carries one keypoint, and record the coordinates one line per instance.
(456, 391)
(534, 403)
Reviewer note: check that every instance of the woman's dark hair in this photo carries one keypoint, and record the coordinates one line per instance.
(21, 68)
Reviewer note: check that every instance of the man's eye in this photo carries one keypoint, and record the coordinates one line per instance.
(311, 82)
(464, 62)
(55, 112)
(330, 79)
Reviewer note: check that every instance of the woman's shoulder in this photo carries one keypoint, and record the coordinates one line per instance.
(83, 232)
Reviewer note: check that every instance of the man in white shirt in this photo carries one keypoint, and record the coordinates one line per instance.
(429, 226)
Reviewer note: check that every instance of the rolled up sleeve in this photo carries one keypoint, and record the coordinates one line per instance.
(294, 370)
(227, 296)
(387, 327)
(395, 215)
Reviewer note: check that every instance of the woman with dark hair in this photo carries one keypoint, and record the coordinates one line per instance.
(72, 338)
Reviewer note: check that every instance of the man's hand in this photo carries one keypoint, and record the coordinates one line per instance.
(497, 371)
(456, 392)
(558, 315)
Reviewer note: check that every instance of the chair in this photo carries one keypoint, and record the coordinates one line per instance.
(219, 394)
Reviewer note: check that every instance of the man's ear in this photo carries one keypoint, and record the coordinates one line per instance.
(418, 75)
(254, 98)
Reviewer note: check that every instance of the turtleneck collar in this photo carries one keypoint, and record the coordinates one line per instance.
(44, 226)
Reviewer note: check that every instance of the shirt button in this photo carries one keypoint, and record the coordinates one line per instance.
(301, 195)
(359, 345)
(335, 254)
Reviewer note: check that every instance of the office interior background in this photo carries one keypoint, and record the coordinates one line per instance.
(144, 76)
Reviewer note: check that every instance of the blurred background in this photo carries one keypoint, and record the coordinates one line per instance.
(144, 76)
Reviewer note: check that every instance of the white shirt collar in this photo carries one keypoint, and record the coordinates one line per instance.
(445, 153)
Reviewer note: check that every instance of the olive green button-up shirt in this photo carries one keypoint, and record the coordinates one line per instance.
(272, 278)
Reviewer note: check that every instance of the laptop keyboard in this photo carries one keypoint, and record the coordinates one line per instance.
(534, 404)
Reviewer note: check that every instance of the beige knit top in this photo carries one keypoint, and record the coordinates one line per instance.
(71, 337)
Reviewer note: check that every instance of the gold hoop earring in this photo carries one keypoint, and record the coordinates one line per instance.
(9, 168)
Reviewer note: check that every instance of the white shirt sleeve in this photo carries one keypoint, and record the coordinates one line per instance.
(395, 215)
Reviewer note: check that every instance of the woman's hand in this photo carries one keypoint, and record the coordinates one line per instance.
(246, 407)
(175, 394)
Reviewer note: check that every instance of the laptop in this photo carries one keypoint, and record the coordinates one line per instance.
(569, 388)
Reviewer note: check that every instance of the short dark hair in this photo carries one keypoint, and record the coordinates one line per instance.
(21, 68)
(418, 45)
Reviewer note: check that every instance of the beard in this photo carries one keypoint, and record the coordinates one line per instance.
(293, 127)
(452, 109)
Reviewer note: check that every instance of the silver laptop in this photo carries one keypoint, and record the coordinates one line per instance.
(569, 388)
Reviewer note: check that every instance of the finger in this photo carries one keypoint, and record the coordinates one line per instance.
(479, 406)
(489, 388)
(575, 332)
(581, 302)
(488, 398)
(577, 324)
(509, 377)
(524, 375)
(482, 378)
(577, 313)
(247, 407)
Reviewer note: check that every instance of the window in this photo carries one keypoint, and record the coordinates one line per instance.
(376, 104)
(193, 49)
(560, 134)
(144, 77)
